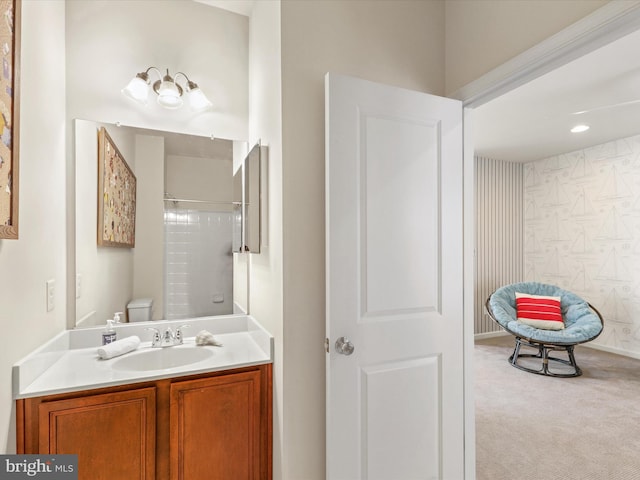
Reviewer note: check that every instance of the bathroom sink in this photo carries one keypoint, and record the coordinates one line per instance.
(162, 358)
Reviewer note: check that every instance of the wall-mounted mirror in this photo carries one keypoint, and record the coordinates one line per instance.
(238, 182)
(186, 220)
(253, 198)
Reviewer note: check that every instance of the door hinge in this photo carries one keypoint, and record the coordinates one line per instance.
(326, 345)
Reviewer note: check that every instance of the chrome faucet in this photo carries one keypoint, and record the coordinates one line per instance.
(169, 338)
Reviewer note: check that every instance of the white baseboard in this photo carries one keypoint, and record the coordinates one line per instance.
(482, 336)
(617, 351)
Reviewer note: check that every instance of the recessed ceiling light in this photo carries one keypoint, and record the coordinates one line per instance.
(580, 128)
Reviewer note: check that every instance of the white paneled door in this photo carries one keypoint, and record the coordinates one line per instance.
(395, 406)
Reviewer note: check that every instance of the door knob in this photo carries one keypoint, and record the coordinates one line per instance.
(344, 346)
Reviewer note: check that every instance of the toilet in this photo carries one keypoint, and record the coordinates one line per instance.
(139, 309)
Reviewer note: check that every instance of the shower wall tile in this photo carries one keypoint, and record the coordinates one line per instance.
(198, 262)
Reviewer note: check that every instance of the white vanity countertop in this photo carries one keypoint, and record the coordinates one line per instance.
(69, 362)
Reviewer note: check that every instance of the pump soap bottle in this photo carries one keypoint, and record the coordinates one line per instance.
(109, 335)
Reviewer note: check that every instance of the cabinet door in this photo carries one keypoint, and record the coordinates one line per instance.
(113, 434)
(215, 428)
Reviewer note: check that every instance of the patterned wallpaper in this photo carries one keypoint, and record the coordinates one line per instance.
(582, 232)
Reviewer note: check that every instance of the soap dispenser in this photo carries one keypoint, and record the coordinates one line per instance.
(109, 335)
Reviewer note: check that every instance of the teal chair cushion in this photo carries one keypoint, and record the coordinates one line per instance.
(582, 323)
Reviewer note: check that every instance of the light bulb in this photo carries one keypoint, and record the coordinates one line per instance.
(137, 89)
(198, 101)
(169, 96)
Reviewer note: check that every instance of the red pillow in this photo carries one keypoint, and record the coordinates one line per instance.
(539, 311)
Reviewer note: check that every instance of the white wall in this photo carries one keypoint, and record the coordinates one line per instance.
(198, 178)
(40, 253)
(107, 44)
(394, 42)
(265, 269)
(582, 232)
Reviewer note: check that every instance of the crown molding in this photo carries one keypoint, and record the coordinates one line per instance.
(610, 22)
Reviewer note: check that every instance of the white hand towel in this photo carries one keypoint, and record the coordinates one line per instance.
(119, 347)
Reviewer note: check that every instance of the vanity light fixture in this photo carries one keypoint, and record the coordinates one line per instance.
(580, 128)
(168, 90)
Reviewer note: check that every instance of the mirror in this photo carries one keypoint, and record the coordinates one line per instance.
(187, 218)
(237, 209)
(253, 199)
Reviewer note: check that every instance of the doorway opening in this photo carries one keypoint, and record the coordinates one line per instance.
(576, 215)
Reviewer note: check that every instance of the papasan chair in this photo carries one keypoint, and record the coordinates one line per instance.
(547, 318)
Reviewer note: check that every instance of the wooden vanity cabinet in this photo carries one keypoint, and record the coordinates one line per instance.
(115, 432)
(215, 428)
(210, 426)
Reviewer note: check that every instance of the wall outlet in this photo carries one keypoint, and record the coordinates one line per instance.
(51, 295)
(78, 285)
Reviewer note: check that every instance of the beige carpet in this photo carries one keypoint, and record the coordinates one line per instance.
(534, 427)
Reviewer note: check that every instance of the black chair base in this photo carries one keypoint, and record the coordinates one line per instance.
(543, 354)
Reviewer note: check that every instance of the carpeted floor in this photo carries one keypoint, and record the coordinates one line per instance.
(541, 428)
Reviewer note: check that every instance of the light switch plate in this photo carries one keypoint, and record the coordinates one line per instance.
(78, 285)
(51, 294)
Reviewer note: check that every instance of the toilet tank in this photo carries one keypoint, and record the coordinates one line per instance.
(139, 309)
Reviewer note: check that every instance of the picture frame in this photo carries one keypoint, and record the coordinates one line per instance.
(116, 196)
(10, 24)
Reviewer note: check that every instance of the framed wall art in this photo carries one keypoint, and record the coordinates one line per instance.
(9, 116)
(116, 196)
